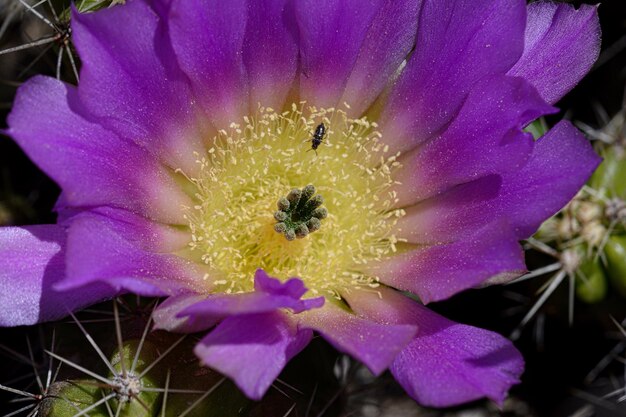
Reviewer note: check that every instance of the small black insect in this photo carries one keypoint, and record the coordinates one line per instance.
(317, 138)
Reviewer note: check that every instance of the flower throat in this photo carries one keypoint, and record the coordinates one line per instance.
(263, 201)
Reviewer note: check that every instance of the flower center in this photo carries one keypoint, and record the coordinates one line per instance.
(263, 165)
(300, 213)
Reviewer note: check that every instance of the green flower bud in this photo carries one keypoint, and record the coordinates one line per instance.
(615, 251)
(93, 5)
(593, 288)
(88, 6)
(537, 128)
(65, 398)
(134, 383)
(610, 177)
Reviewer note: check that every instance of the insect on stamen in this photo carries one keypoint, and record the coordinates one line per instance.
(318, 137)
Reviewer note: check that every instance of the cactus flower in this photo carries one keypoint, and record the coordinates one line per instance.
(194, 166)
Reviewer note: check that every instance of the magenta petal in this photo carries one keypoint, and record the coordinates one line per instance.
(373, 344)
(485, 137)
(458, 43)
(32, 260)
(437, 272)
(131, 82)
(102, 247)
(331, 35)
(253, 349)
(270, 52)
(449, 363)
(270, 294)
(388, 42)
(289, 292)
(152, 236)
(561, 163)
(223, 305)
(166, 315)
(561, 45)
(446, 363)
(457, 212)
(208, 37)
(293, 288)
(92, 165)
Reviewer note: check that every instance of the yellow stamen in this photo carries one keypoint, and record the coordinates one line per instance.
(251, 166)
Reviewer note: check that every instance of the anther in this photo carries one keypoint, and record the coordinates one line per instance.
(300, 213)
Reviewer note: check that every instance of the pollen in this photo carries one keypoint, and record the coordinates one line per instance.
(257, 189)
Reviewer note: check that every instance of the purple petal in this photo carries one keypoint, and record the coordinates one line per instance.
(166, 316)
(373, 344)
(486, 137)
(389, 40)
(92, 165)
(152, 236)
(437, 272)
(270, 294)
(561, 163)
(208, 37)
(293, 288)
(253, 349)
(458, 43)
(331, 35)
(270, 52)
(102, 247)
(561, 45)
(32, 260)
(463, 363)
(223, 305)
(451, 215)
(446, 363)
(130, 81)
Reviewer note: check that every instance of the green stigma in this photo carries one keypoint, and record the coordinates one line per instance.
(300, 213)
